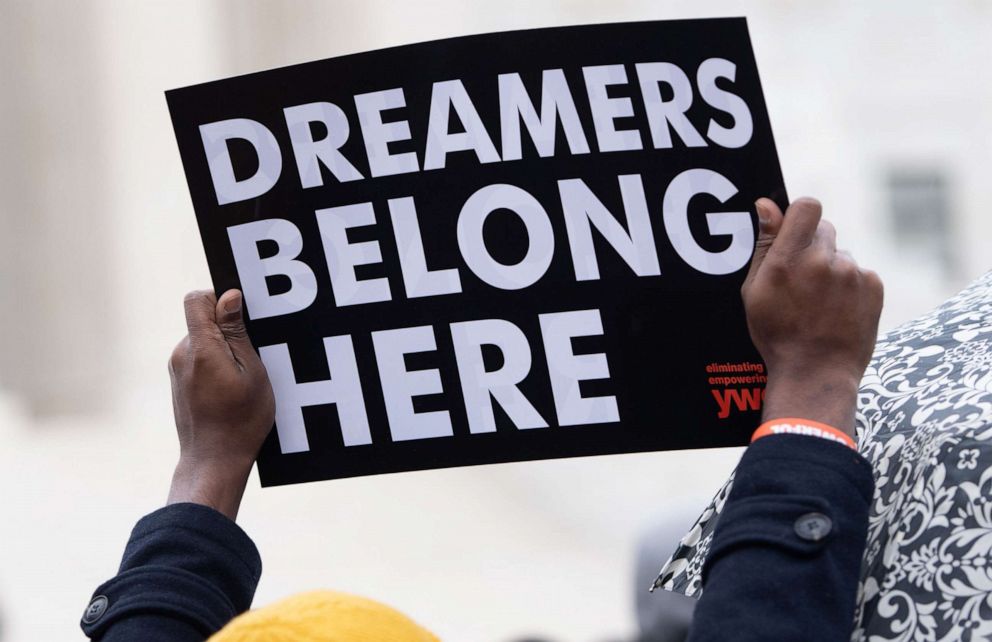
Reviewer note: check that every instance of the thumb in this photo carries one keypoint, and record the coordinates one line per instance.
(230, 320)
(769, 223)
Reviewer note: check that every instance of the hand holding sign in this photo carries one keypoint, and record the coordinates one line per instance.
(222, 401)
(493, 248)
(812, 313)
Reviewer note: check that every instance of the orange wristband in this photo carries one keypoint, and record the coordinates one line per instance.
(795, 426)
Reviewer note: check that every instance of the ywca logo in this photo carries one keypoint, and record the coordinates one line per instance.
(737, 386)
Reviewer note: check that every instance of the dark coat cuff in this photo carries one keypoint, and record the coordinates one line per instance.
(780, 479)
(185, 565)
(786, 553)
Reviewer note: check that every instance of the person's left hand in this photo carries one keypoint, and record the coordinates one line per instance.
(222, 400)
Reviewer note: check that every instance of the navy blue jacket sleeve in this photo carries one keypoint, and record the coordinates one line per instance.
(786, 553)
(187, 570)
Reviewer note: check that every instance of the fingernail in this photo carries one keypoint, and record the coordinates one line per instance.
(762, 212)
(233, 304)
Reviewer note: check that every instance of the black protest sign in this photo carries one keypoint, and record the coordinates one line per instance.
(493, 248)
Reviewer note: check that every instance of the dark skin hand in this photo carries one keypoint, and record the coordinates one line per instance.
(222, 401)
(812, 313)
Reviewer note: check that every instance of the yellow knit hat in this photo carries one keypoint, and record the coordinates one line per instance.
(323, 616)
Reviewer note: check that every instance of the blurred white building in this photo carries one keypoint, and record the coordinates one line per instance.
(883, 110)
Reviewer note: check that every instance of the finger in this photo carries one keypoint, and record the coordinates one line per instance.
(230, 320)
(871, 276)
(178, 357)
(876, 288)
(769, 224)
(825, 237)
(800, 224)
(844, 255)
(200, 312)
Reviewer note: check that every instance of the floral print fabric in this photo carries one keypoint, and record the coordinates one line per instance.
(925, 423)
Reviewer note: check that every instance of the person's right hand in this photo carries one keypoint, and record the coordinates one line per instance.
(222, 400)
(812, 313)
